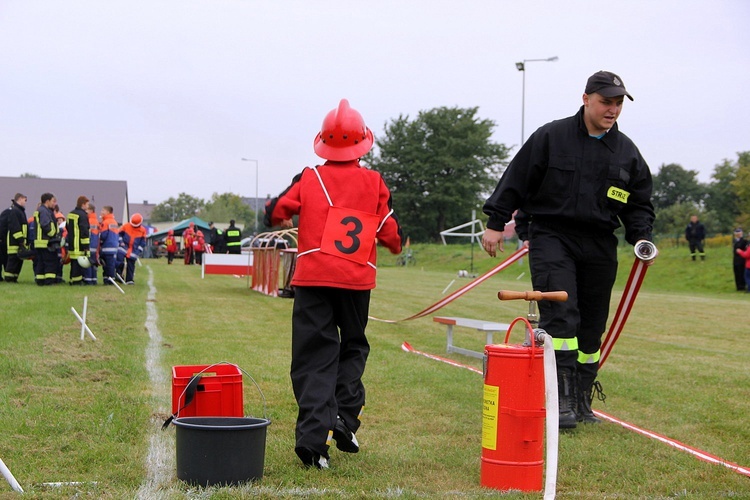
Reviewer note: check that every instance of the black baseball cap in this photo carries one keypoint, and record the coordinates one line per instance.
(607, 84)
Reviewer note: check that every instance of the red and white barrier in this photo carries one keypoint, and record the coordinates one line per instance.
(222, 263)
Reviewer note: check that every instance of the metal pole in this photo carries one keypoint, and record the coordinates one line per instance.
(523, 103)
(521, 66)
(256, 191)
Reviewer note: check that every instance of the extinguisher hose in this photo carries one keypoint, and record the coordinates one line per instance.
(553, 417)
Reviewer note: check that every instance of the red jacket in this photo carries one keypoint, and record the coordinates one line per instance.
(338, 251)
(171, 244)
(745, 254)
(199, 243)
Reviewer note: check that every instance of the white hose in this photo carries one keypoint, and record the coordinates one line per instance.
(553, 417)
(9, 476)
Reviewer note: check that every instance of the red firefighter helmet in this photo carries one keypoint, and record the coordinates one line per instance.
(170, 232)
(136, 220)
(344, 135)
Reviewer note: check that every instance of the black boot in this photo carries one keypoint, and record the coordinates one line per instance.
(566, 396)
(586, 392)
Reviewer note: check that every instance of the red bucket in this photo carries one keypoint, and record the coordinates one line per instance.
(218, 392)
(513, 418)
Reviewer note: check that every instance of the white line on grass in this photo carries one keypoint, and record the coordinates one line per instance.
(160, 459)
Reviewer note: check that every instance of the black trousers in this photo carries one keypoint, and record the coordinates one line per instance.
(13, 266)
(76, 272)
(739, 276)
(329, 353)
(585, 266)
(46, 266)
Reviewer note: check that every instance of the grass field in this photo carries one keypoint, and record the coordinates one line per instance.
(90, 412)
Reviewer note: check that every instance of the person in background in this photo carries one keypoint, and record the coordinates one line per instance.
(171, 244)
(89, 273)
(233, 238)
(4, 215)
(199, 247)
(738, 263)
(216, 239)
(187, 243)
(344, 211)
(132, 242)
(695, 233)
(78, 239)
(16, 245)
(63, 258)
(745, 254)
(46, 242)
(109, 243)
(574, 182)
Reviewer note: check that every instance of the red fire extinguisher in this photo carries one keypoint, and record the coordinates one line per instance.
(513, 411)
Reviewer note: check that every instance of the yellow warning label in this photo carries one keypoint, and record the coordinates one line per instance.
(618, 194)
(490, 407)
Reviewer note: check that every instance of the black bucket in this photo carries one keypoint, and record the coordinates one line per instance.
(220, 450)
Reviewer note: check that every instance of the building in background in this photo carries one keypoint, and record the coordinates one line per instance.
(67, 191)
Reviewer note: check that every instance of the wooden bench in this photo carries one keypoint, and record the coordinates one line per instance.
(488, 327)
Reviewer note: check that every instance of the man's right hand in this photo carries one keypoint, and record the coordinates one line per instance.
(492, 241)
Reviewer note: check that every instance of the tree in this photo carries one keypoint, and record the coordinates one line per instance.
(227, 206)
(177, 209)
(439, 168)
(741, 186)
(721, 196)
(673, 184)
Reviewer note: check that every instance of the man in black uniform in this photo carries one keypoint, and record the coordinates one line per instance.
(15, 239)
(695, 233)
(216, 239)
(233, 238)
(46, 242)
(573, 182)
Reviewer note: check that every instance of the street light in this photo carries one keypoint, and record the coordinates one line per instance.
(256, 192)
(521, 66)
(170, 206)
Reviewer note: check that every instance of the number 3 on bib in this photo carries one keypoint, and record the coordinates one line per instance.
(349, 234)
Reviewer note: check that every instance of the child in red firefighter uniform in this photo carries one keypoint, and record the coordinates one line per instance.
(132, 243)
(171, 243)
(342, 207)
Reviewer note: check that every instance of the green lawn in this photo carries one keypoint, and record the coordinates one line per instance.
(90, 412)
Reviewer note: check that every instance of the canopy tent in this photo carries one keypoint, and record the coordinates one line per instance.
(200, 224)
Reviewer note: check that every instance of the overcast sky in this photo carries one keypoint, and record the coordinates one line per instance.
(169, 95)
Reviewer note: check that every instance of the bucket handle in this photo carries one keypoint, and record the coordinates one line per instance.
(531, 336)
(189, 391)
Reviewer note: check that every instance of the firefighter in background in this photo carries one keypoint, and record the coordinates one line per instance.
(15, 239)
(187, 243)
(344, 210)
(199, 247)
(233, 238)
(171, 243)
(78, 239)
(89, 273)
(62, 251)
(46, 241)
(109, 243)
(216, 239)
(4, 215)
(132, 242)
